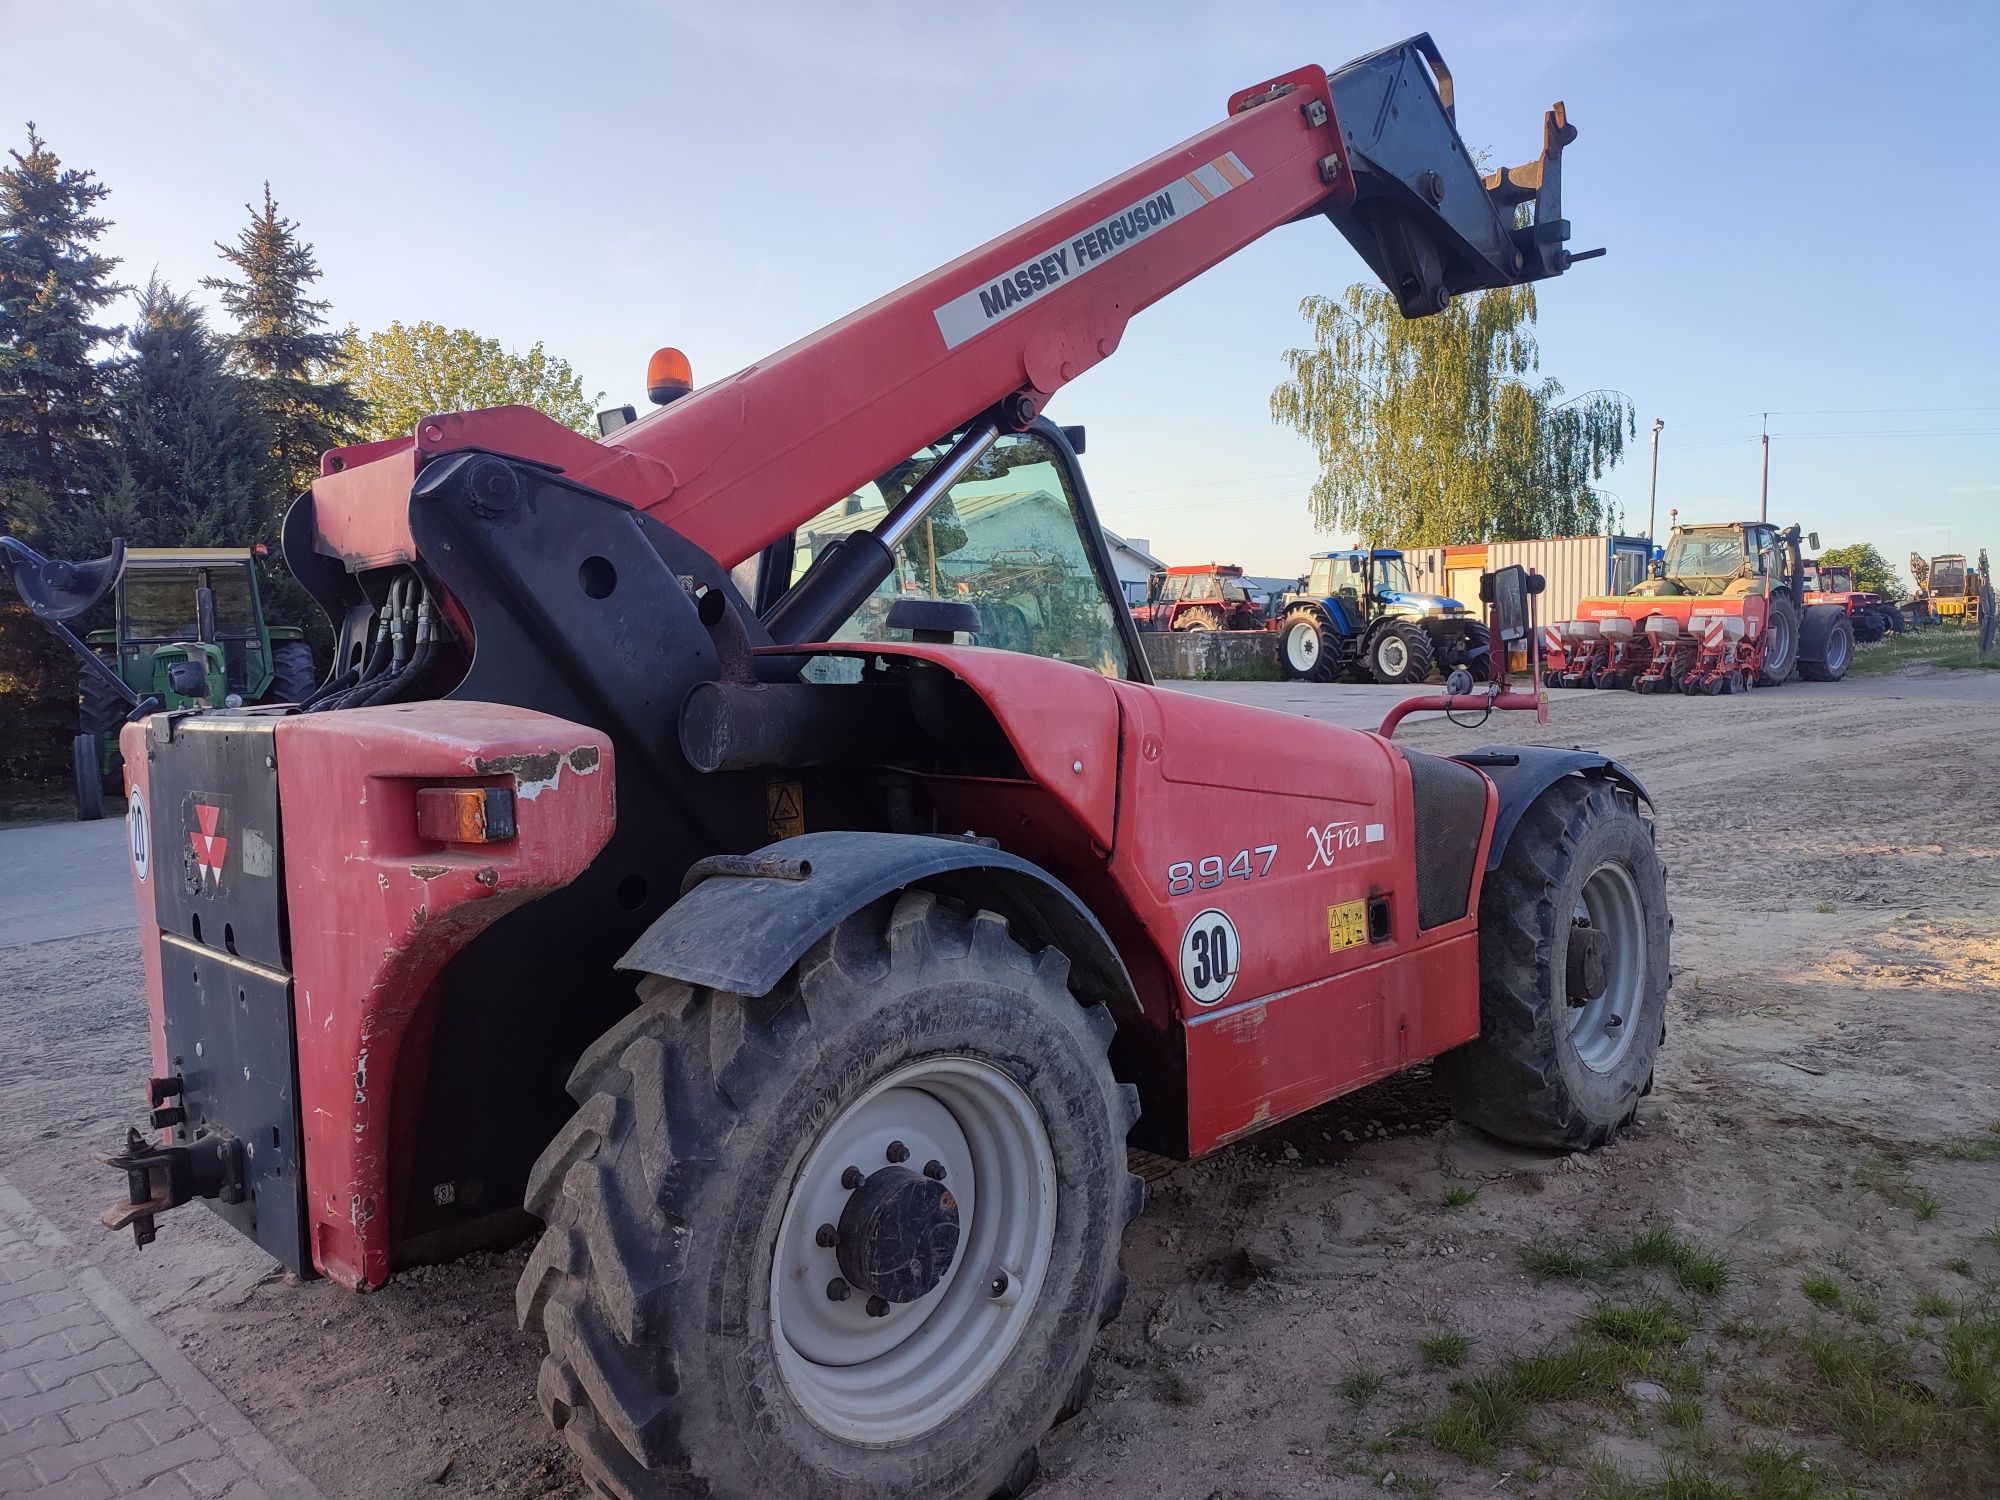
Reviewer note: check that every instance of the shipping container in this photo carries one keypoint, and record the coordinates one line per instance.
(1572, 567)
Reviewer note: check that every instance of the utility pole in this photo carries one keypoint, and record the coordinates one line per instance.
(1764, 490)
(1653, 493)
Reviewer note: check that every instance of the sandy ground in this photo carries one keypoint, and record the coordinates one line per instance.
(1835, 876)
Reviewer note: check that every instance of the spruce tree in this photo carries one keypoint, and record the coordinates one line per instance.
(191, 463)
(282, 343)
(52, 388)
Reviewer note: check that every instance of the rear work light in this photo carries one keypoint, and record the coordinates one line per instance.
(465, 814)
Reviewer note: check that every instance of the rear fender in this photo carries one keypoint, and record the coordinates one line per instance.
(1522, 773)
(744, 921)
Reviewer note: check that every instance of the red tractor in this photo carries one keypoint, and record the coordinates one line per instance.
(1870, 615)
(1201, 596)
(795, 970)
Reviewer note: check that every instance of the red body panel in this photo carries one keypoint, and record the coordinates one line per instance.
(376, 911)
(1302, 1021)
(138, 810)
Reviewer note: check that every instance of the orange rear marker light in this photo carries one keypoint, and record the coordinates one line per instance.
(669, 376)
(465, 814)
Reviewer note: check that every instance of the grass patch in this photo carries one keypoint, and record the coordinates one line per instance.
(1941, 649)
(1652, 1324)
(1362, 1384)
(1446, 1351)
(1556, 1262)
(1979, 1148)
(1459, 1197)
(1893, 1183)
(1991, 1237)
(1935, 1305)
(1822, 1291)
(1693, 1269)
(1683, 1412)
(1958, 1265)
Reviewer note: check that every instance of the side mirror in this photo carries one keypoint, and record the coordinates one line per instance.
(1812, 540)
(1508, 591)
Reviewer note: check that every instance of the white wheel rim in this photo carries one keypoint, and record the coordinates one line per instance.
(1601, 1030)
(1302, 646)
(1836, 650)
(1393, 656)
(892, 1378)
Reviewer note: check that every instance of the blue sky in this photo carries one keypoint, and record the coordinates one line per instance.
(1801, 203)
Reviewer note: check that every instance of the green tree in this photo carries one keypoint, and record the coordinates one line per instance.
(1872, 571)
(191, 462)
(282, 343)
(1442, 429)
(52, 283)
(407, 372)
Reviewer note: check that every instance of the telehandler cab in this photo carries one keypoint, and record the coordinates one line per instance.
(864, 949)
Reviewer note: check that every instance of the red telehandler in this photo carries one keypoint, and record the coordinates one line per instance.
(862, 948)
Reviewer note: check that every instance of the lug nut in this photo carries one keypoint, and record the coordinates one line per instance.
(897, 1152)
(998, 1286)
(934, 1170)
(825, 1236)
(837, 1290)
(851, 1178)
(878, 1307)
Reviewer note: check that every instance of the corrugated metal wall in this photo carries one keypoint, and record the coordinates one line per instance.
(1576, 567)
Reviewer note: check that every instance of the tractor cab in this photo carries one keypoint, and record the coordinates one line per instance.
(1729, 561)
(162, 617)
(1376, 584)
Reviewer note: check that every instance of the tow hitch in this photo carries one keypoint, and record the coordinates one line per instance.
(158, 1178)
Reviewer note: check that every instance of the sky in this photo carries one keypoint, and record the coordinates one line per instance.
(1797, 200)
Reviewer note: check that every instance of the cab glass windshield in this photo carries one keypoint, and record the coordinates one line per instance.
(1007, 539)
(159, 603)
(1714, 556)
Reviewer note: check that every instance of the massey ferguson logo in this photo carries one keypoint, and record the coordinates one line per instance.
(208, 847)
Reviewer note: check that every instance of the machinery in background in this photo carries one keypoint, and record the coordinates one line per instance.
(1358, 619)
(1201, 596)
(188, 631)
(1868, 612)
(1948, 591)
(1725, 611)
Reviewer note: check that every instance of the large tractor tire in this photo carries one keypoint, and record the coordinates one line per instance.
(1199, 619)
(1400, 652)
(1868, 626)
(1781, 643)
(100, 709)
(100, 714)
(1573, 946)
(1306, 651)
(292, 675)
(1892, 619)
(852, 1239)
(87, 770)
(1826, 643)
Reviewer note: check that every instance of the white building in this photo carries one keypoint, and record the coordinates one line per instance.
(1133, 564)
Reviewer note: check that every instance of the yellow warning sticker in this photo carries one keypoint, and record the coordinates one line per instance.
(1346, 925)
(784, 809)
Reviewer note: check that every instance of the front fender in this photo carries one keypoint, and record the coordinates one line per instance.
(1521, 773)
(744, 921)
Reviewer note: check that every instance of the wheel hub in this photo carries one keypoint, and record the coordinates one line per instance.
(898, 1234)
(1588, 964)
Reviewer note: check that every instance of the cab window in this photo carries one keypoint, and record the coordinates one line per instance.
(1008, 539)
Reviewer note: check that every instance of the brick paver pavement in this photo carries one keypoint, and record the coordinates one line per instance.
(96, 1403)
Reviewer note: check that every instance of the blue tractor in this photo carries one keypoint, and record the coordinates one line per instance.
(1357, 619)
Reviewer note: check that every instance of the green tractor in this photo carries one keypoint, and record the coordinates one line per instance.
(178, 608)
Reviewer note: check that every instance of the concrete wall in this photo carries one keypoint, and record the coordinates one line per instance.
(1211, 653)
